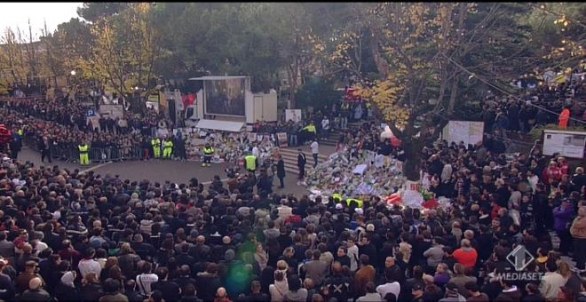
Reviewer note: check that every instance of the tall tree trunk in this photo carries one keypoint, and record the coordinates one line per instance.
(412, 164)
(442, 92)
(453, 95)
(380, 62)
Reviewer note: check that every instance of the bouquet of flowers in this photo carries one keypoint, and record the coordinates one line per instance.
(430, 202)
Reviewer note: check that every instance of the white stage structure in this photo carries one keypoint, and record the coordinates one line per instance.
(229, 99)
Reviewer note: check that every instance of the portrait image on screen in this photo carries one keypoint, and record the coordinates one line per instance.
(225, 97)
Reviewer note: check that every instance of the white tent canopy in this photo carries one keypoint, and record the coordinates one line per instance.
(220, 125)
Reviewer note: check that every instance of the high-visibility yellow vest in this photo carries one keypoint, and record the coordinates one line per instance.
(83, 148)
(310, 128)
(168, 144)
(20, 132)
(155, 142)
(208, 151)
(337, 197)
(358, 201)
(250, 162)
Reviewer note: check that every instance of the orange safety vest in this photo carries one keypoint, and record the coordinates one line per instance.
(564, 118)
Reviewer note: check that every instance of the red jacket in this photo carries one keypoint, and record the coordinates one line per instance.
(494, 213)
(551, 174)
(466, 256)
(564, 169)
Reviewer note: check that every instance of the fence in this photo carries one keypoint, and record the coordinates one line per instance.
(69, 152)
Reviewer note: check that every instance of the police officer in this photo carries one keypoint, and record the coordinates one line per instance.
(156, 144)
(309, 132)
(84, 157)
(208, 152)
(168, 148)
(250, 162)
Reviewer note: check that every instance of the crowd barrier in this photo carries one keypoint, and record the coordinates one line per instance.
(69, 152)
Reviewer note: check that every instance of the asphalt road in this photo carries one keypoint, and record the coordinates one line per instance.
(159, 171)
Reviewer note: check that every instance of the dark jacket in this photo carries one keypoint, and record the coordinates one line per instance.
(301, 160)
(281, 168)
(34, 296)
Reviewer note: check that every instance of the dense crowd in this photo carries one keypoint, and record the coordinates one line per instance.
(539, 103)
(72, 236)
(60, 125)
(87, 237)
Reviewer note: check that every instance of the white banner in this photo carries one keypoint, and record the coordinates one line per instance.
(293, 114)
(566, 143)
(468, 132)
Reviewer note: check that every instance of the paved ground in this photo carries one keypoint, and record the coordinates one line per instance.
(158, 170)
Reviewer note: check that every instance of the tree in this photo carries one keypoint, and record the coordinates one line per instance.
(127, 46)
(13, 58)
(558, 34)
(51, 62)
(96, 11)
(423, 51)
(317, 92)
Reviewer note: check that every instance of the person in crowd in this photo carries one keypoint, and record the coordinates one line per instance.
(551, 282)
(578, 232)
(209, 242)
(301, 161)
(315, 152)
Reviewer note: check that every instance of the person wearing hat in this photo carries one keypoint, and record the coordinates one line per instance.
(208, 152)
(417, 293)
(30, 272)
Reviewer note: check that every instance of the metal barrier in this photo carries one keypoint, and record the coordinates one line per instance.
(69, 152)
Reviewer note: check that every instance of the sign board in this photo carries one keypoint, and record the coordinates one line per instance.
(113, 111)
(155, 97)
(91, 112)
(468, 132)
(566, 143)
(282, 139)
(293, 114)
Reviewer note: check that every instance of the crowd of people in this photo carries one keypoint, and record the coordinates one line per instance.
(87, 237)
(539, 103)
(61, 125)
(72, 236)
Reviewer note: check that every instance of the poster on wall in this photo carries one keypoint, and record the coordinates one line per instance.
(225, 96)
(293, 115)
(111, 110)
(567, 143)
(462, 131)
(282, 138)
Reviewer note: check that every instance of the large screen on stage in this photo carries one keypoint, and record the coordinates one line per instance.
(225, 97)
